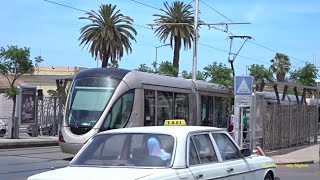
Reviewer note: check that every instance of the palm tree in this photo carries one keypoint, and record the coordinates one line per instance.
(108, 35)
(280, 66)
(178, 12)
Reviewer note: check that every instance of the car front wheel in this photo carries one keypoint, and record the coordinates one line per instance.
(268, 177)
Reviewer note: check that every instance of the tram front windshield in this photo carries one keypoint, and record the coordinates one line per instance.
(88, 98)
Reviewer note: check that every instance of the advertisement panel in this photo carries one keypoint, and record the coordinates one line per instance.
(28, 105)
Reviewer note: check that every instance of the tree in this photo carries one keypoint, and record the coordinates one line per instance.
(219, 74)
(280, 66)
(305, 76)
(165, 68)
(168, 69)
(145, 68)
(222, 75)
(15, 62)
(108, 35)
(260, 75)
(199, 76)
(178, 12)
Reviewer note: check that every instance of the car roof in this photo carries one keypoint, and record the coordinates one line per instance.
(171, 130)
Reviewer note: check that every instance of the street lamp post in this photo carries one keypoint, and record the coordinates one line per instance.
(157, 50)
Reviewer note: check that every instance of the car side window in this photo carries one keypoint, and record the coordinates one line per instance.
(193, 155)
(204, 149)
(227, 149)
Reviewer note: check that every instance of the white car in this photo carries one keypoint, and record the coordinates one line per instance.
(163, 152)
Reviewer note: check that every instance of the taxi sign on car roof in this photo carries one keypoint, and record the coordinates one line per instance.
(175, 122)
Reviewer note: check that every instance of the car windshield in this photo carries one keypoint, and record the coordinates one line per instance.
(88, 98)
(128, 150)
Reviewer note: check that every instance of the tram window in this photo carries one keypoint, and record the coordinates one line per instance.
(181, 105)
(220, 113)
(120, 112)
(164, 108)
(149, 108)
(207, 115)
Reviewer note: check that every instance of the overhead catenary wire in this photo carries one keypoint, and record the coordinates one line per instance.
(146, 5)
(216, 11)
(228, 32)
(65, 6)
(238, 55)
(74, 8)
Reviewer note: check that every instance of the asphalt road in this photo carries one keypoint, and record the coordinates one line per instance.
(20, 163)
(312, 172)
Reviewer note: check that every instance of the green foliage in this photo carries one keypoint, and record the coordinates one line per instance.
(167, 68)
(261, 76)
(280, 66)
(199, 76)
(219, 74)
(305, 76)
(177, 12)
(109, 34)
(113, 64)
(145, 68)
(54, 93)
(14, 60)
(11, 92)
(38, 60)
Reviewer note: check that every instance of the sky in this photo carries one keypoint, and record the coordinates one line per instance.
(52, 31)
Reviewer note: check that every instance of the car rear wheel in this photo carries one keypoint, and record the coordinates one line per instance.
(268, 177)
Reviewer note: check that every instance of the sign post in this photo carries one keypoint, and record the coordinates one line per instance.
(27, 111)
(243, 99)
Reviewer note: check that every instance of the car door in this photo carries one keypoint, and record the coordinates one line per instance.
(202, 159)
(237, 166)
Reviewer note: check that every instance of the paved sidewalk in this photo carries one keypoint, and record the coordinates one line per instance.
(307, 155)
(27, 141)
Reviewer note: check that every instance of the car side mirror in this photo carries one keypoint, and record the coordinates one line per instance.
(246, 152)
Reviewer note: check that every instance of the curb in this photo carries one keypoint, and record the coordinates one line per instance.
(28, 144)
(297, 162)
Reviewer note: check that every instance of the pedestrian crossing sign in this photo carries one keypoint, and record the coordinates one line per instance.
(243, 85)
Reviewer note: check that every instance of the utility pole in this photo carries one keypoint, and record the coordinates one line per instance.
(195, 40)
(231, 59)
(314, 60)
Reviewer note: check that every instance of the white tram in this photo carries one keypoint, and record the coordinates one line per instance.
(104, 98)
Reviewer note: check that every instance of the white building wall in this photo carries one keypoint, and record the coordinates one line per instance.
(6, 106)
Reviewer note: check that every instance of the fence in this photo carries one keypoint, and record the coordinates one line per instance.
(289, 125)
(48, 117)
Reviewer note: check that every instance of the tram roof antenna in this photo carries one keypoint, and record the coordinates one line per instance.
(231, 60)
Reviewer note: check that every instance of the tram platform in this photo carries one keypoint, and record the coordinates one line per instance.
(304, 155)
(25, 141)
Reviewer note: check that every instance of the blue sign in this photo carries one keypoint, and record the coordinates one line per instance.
(243, 85)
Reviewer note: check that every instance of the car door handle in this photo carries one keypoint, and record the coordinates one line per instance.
(199, 176)
(230, 170)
